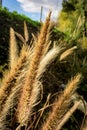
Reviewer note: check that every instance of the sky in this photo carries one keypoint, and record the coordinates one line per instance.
(32, 8)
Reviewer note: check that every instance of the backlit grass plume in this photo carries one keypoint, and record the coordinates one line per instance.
(67, 53)
(25, 103)
(26, 35)
(13, 49)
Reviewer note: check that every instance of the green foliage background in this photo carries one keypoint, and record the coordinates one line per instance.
(14, 20)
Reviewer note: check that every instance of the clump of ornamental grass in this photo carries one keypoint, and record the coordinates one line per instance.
(21, 86)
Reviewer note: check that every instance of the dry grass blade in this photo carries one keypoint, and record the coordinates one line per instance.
(25, 108)
(26, 35)
(67, 53)
(61, 106)
(68, 115)
(83, 105)
(85, 125)
(13, 49)
(44, 107)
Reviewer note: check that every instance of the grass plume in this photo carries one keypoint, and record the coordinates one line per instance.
(60, 107)
(25, 107)
(47, 60)
(13, 49)
(26, 35)
(67, 53)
